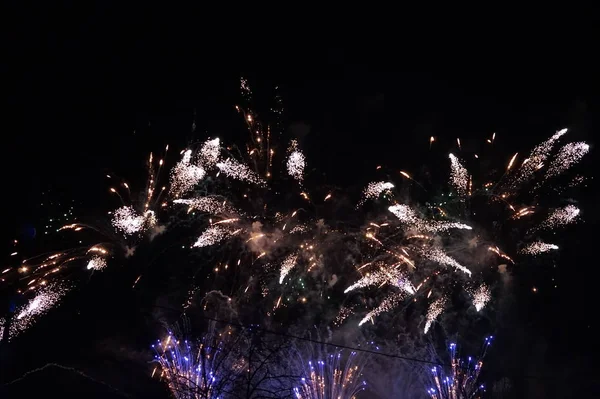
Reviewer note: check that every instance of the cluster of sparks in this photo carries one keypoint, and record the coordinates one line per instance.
(461, 379)
(375, 189)
(481, 297)
(538, 247)
(44, 299)
(296, 162)
(129, 222)
(414, 252)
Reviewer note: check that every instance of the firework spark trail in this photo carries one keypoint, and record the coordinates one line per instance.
(387, 304)
(408, 216)
(567, 156)
(129, 222)
(213, 235)
(286, 266)
(560, 217)
(501, 254)
(481, 297)
(537, 248)
(45, 299)
(537, 157)
(236, 170)
(374, 190)
(296, 162)
(209, 205)
(382, 276)
(435, 309)
(459, 176)
(439, 256)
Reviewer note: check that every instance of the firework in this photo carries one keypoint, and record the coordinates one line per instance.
(239, 171)
(375, 189)
(286, 266)
(437, 247)
(559, 218)
(435, 309)
(537, 158)
(129, 222)
(96, 263)
(437, 255)
(208, 205)
(537, 248)
(459, 176)
(409, 217)
(296, 162)
(243, 209)
(213, 235)
(481, 297)
(185, 176)
(332, 377)
(195, 370)
(461, 379)
(44, 300)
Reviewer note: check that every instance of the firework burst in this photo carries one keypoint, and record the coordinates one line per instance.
(255, 211)
(426, 251)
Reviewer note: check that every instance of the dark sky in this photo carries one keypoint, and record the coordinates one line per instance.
(90, 89)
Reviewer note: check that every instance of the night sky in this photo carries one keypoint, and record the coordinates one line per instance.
(91, 90)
